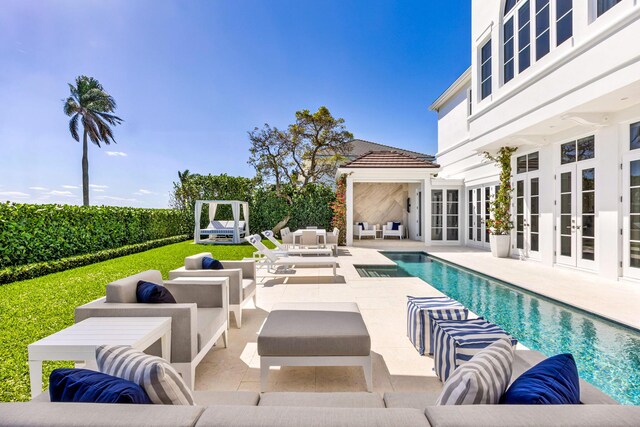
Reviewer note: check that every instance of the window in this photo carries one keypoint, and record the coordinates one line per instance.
(605, 5)
(524, 37)
(576, 151)
(564, 20)
(446, 229)
(510, 4)
(452, 214)
(436, 215)
(509, 60)
(528, 163)
(635, 136)
(485, 69)
(543, 42)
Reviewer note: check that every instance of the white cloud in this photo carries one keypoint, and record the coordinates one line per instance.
(98, 186)
(38, 188)
(143, 192)
(116, 154)
(70, 187)
(61, 193)
(98, 190)
(14, 194)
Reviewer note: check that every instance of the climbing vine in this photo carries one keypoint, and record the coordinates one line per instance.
(500, 220)
(339, 208)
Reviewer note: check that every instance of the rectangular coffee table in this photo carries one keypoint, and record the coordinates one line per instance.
(79, 342)
(314, 334)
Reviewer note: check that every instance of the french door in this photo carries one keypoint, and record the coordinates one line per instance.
(527, 215)
(575, 215)
(478, 211)
(631, 215)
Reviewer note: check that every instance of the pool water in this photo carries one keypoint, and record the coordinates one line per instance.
(607, 354)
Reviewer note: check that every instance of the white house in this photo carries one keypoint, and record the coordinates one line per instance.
(559, 80)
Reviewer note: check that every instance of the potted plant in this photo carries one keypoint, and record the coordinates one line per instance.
(499, 223)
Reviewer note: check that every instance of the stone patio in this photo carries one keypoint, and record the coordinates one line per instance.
(397, 366)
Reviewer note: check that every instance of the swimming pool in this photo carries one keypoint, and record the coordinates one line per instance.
(607, 354)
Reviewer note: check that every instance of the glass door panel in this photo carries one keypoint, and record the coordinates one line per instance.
(631, 218)
(566, 251)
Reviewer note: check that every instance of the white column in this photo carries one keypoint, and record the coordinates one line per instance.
(548, 189)
(349, 202)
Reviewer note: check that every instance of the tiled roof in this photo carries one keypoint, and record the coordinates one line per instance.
(389, 159)
(360, 147)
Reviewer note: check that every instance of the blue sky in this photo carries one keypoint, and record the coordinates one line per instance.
(192, 77)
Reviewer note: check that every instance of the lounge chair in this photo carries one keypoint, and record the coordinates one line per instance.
(388, 231)
(364, 229)
(286, 251)
(273, 260)
(198, 320)
(241, 274)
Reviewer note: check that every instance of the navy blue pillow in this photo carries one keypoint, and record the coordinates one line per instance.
(83, 385)
(395, 226)
(150, 293)
(209, 263)
(554, 381)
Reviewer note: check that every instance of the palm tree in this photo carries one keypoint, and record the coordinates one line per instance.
(93, 106)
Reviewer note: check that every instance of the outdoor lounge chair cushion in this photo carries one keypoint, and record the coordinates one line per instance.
(209, 263)
(160, 380)
(314, 329)
(209, 321)
(151, 293)
(481, 380)
(554, 381)
(84, 385)
(323, 400)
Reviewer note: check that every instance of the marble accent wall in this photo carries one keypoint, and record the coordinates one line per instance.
(378, 203)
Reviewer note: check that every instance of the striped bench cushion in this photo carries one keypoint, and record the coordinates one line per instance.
(421, 313)
(160, 380)
(457, 341)
(483, 380)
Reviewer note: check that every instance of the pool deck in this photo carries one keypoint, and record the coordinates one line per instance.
(618, 300)
(397, 366)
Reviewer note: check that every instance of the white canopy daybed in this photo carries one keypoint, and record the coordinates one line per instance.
(231, 231)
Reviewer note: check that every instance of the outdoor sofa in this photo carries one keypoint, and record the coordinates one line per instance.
(241, 274)
(359, 409)
(198, 320)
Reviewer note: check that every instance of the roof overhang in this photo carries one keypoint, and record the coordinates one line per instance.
(388, 174)
(451, 90)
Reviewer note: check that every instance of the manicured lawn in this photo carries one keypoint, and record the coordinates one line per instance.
(33, 309)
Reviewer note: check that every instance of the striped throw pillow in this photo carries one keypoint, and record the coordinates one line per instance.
(483, 379)
(156, 376)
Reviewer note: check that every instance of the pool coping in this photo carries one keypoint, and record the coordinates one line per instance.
(519, 287)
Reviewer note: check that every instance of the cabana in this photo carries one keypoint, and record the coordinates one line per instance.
(221, 231)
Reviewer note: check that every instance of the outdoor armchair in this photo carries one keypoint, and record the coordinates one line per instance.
(388, 231)
(241, 274)
(198, 319)
(364, 229)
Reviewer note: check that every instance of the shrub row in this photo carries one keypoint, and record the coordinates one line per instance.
(30, 271)
(39, 233)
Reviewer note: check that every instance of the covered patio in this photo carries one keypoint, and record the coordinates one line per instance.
(384, 187)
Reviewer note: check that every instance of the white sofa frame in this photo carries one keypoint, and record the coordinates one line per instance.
(365, 230)
(387, 232)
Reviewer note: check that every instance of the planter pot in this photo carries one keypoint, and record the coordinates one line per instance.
(500, 245)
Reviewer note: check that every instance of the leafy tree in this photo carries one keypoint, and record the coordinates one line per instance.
(307, 152)
(91, 105)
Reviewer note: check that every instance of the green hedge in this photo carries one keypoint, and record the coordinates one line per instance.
(30, 271)
(41, 233)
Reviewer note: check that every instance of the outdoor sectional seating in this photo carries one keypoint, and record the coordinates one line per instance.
(198, 319)
(364, 229)
(241, 274)
(358, 409)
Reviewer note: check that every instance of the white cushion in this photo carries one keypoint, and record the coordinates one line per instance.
(162, 383)
(389, 225)
(366, 225)
(483, 379)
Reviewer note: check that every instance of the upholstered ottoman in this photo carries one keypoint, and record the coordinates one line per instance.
(314, 334)
(457, 341)
(421, 313)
